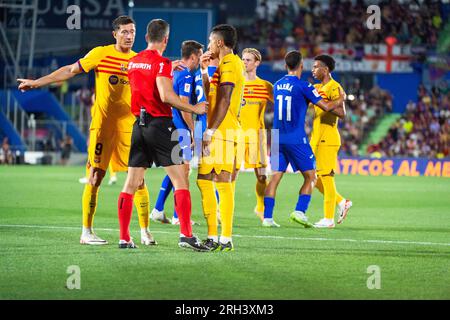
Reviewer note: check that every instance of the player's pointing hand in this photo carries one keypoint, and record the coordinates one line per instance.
(26, 84)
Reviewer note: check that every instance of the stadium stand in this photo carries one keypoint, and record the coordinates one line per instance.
(423, 131)
(278, 29)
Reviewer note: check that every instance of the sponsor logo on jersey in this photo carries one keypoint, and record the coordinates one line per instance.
(114, 79)
(139, 65)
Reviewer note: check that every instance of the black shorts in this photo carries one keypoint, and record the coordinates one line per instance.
(155, 143)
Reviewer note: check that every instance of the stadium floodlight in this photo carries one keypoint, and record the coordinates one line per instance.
(131, 4)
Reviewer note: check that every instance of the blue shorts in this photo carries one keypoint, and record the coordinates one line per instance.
(300, 156)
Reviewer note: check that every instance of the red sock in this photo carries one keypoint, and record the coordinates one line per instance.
(125, 206)
(183, 208)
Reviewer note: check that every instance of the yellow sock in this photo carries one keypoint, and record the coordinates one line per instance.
(329, 200)
(260, 188)
(319, 184)
(226, 207)
(89, 204)
(233, 186)
(209, 204)
(339, 198)
(142, 204)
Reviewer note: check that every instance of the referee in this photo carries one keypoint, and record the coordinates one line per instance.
(154, 139)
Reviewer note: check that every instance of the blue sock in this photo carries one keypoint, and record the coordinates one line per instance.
(269, 203)
(175, 214)
(166, 187)
(217, 196)
(303, 202)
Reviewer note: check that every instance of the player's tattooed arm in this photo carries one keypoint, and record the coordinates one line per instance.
(62, 74)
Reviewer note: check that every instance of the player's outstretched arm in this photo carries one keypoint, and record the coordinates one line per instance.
(169, 96)
(62, 74)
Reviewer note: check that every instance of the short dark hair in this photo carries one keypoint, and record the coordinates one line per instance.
(157, 29)
(120, 21)
(228, 34)
(327, 60)
(293, 59)
(189, 47)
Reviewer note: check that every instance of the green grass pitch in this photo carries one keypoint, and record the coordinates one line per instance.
(399, 224)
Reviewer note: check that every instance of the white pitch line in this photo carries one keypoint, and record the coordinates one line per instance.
(245, 236)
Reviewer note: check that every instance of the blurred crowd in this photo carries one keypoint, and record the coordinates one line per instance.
(6, 155)
(306, 24)
(424, 129)
(364, 109)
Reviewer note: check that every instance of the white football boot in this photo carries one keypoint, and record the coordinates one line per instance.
(343, 208)
(270, 223)
(147, 238)
(89, 237)
(160, 216)
(324, 223)
(112, 180)
(83, 180)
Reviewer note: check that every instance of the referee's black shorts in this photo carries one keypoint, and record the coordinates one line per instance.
(155, 142)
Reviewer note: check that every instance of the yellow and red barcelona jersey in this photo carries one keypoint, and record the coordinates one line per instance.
(256, 95)
(230, 72)
(111, 109)
(325, 124)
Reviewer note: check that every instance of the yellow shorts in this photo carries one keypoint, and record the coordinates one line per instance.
(326, 159)
(109, 147)
(222, 157)
(254, 155)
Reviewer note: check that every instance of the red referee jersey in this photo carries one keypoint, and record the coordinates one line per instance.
(143, 69)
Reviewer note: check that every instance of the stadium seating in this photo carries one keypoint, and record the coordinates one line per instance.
(424, 129)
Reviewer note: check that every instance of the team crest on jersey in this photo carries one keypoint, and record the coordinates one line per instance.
(123, 68)
(114, 79)
(250, 91)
